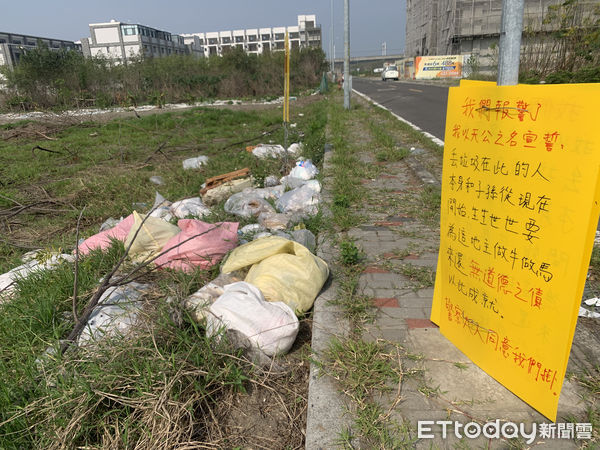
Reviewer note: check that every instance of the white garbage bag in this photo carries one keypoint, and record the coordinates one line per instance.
(115, 314)
(198, 303)
(190, 207)
(271, 181)
(295, 149)
(9, 279)
(268, 151)
(247, 205)
(271, 327)
(274, 221)
(305, 170)
(306, 238)
(302, 201)
(195, 163)
(161, 208)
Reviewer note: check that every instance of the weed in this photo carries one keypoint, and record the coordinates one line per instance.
(422, 276)
(429, 391)
(461, 366)
(350, 254)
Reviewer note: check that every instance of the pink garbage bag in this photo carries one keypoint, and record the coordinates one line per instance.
(102, 240)
(213, 241)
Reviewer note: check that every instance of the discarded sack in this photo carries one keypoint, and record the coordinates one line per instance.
(295, 149)
(271, 181)
(153, 234)
(303, 201)
(305, 170)
(247, 205)
(268, 151)
(221, 192)
(198, 303)
(116, 313)
(9, 279)
(274, 221)
(306, 238)
(282, 269)
(186, 252)
(195, 163)
(271, 327)
(104, 239)
(190, 207)
(161, 208)
(268, 193)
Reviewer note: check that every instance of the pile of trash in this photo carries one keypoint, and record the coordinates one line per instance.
(270, 275)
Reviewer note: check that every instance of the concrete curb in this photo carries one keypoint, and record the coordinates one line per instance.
(326, 407)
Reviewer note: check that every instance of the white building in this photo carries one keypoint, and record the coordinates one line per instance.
(13, 45)
(258, 40)
(120, 41)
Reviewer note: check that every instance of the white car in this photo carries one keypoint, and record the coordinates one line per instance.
(390, 72)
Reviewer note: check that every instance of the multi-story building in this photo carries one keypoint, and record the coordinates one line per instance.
(120, 41)
(307, 33)
(455, 27)
(13, 45)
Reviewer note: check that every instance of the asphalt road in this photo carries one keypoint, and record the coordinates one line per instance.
(423, 105)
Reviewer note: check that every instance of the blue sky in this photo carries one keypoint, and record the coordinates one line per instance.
(371, 22)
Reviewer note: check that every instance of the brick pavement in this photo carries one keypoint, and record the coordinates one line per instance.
(451, 387)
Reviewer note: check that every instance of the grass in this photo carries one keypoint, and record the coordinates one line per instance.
(163, 386)
(387, 148)
(421, 276)
(106, 167)
(363, 368)
(347, 170)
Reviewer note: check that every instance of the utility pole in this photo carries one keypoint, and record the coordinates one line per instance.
(346, 54)
(384, 49)
(510, 42)
(331, 44)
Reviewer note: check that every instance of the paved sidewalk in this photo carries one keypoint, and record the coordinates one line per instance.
(393, 237)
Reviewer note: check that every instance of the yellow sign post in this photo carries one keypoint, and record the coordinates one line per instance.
(286, 90)
(520, 204)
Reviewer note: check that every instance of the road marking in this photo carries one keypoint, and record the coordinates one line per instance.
(385, 90)
(436, 140)
(415, 90)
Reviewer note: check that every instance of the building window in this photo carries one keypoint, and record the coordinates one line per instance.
(226, 40)
(252, 38)
(252, 47)
(16, 41)
(266, 37)
(239, 39)
(212, 41)
(279, 36)
(201, 41)
(2, 41)
(294, 35)
(129, 30)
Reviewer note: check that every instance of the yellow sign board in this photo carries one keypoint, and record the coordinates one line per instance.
(520, 204)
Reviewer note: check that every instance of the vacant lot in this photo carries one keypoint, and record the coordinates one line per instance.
(169, 386)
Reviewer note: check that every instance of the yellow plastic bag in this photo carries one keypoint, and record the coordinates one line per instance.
(284, 270)
(151, 238)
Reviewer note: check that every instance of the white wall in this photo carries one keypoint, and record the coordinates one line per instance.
(107, 35)
(132, 50)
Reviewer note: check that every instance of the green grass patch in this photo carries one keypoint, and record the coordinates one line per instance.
(106, 167)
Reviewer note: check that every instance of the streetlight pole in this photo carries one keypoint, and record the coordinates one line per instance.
(510, 42)
(346, 54)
